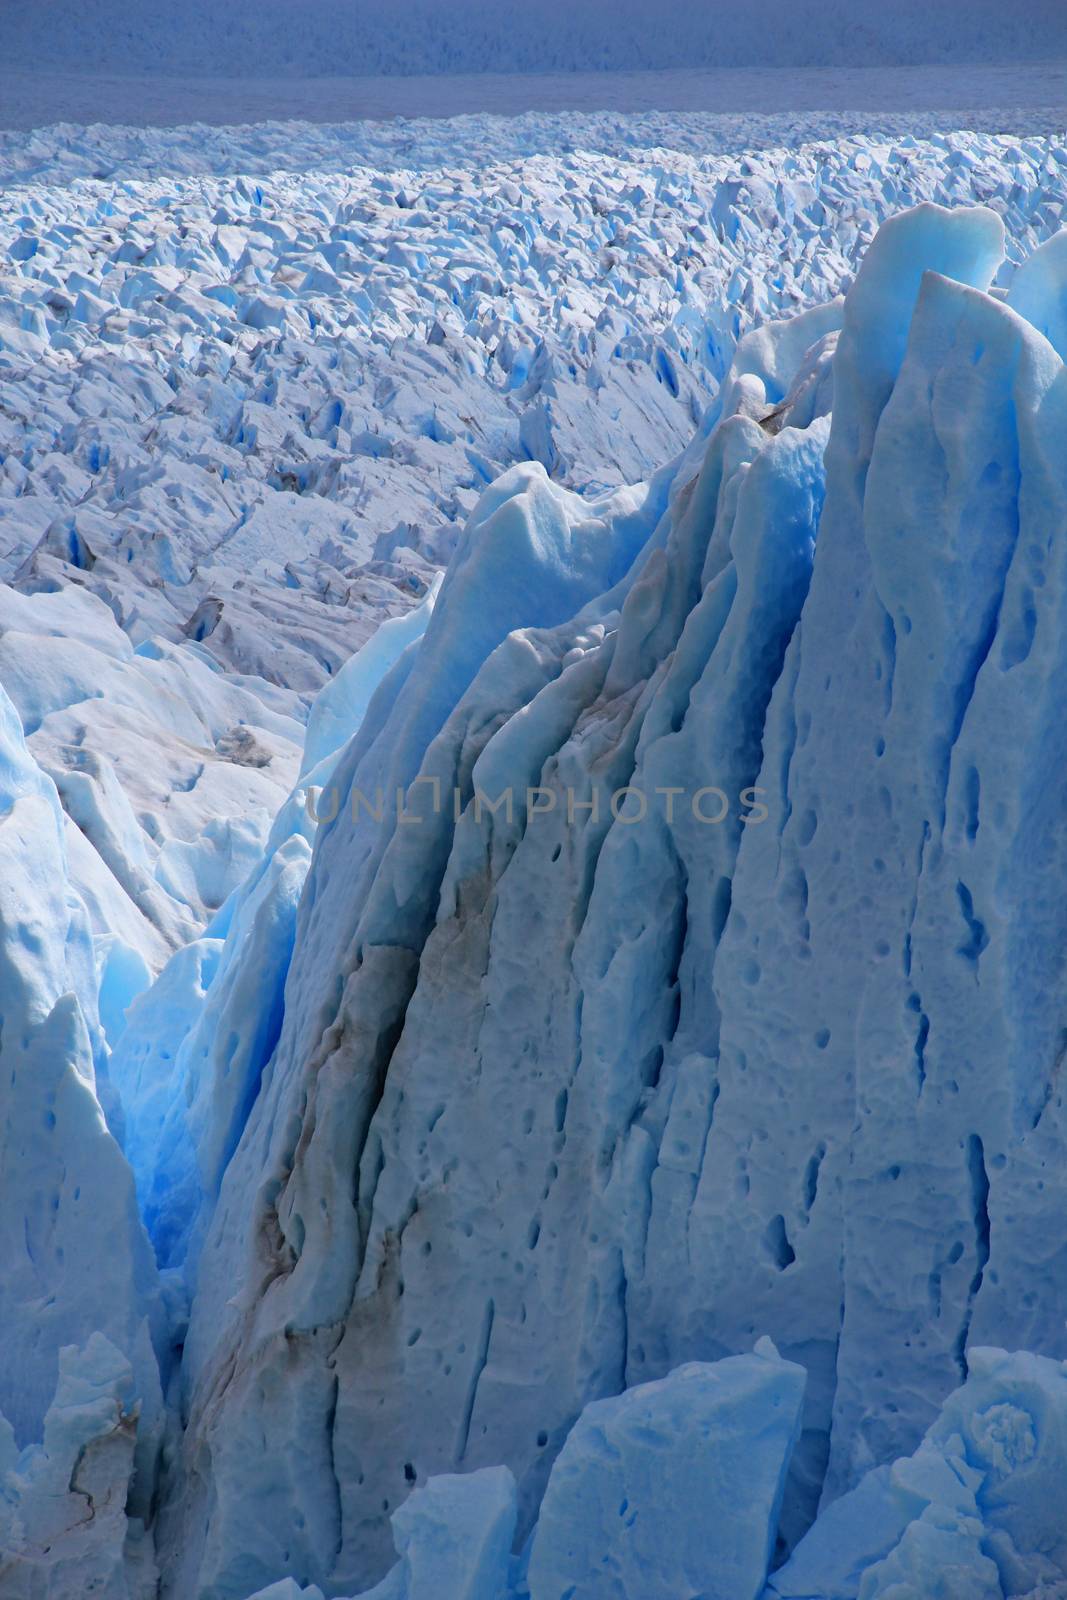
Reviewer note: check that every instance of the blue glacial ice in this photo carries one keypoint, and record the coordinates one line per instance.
(976, 1511)
(657, 952)
(64, 1182)
(672, 1487)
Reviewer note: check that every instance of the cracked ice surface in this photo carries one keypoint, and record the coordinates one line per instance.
(250, 413)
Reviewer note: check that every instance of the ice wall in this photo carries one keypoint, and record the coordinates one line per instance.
(565, 1096)
(671, 954)
(75, 1263)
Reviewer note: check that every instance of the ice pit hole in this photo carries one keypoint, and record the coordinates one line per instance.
(666, 374)
(409, 1472)
(806, 828)
(542, 1439)
(776, 1244)
(972, 792)
(413, 1338)
(977, 938)
(811, 1176)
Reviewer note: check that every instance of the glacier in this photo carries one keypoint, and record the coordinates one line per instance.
(533, 987)
(564, 1055)
(947, 1521)
(256, 380)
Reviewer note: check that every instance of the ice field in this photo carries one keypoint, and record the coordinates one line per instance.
(445, 1154)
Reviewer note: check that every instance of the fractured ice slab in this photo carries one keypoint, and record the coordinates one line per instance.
(672, 1488)
(978, 1511)
(454, 1538)
(63, 1501)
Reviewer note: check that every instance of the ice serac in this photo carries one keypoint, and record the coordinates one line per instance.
(893, 947)
(532, 546)
(672, 1488)
(976, 1511)
(64, 1185)
(63, 1503)
(683, 961)
(560, 706)
(193, 1049)
(341, 703)
(1039, 291)
(454, 1538)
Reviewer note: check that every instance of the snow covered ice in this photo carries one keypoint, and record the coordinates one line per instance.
(445, 1153)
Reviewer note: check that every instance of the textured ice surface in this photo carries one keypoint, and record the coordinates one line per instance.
(64, 1528)
(567, 1047)
(454, 1538)
(249, 414)
(978, 1510)
(168, 772)
(692, 108)
(452, 1117)
(673, 1487)
(306, 140)
(669, 1489)
(63, 1185)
